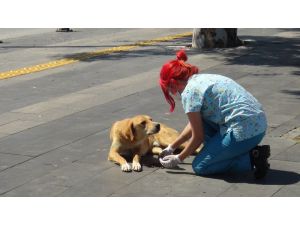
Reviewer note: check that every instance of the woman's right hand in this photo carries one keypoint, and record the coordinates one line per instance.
(167, 151)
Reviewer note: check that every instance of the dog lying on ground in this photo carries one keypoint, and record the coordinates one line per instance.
(138, 135)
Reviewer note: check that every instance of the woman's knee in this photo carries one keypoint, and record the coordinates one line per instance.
(199, 168)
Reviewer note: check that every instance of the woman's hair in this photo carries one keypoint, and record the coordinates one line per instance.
(172, 73)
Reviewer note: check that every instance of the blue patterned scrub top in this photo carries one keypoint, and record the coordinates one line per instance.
(223, 102)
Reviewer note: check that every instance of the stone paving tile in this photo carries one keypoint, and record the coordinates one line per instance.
(58, 181)
(78, 101)
(6, 118)
(177, 182)
(250, 190)
(286, 127)
(285, 109)
(106, 183)
(8, 160)
(288, 168)
(292, 154)
(282, 174)
(18, 126)
(293, 135)
(275, 120)
(49, 136)
(39, 107)
(47, 116)
(173, 184)
(35, 189)
(288, 191)
(53, 160)
(2, 135)
(277, 144)
(256, 84)
(23, 173)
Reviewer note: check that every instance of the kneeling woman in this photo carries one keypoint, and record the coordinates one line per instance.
(222, 115)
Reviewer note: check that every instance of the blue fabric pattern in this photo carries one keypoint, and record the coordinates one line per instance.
(223, 102)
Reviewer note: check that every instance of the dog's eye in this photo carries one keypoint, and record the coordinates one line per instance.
(143, 123)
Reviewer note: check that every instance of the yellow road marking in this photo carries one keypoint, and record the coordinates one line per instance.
(88, 55)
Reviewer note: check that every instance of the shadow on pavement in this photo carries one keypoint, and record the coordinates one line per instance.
(291, 92)
(274, 177)
(275, 51)
(159, 49)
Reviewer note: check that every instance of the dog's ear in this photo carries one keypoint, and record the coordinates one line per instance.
(129, 131)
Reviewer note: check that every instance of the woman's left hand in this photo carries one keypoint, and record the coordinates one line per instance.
(170, 161)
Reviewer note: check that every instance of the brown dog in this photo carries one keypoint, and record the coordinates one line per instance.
(138, 135)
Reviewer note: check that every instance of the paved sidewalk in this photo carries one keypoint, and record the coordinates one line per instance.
(58, 146)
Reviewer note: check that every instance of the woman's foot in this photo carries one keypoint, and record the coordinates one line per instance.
(259, 157)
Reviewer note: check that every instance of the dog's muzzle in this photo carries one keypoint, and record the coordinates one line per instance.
(156, 129)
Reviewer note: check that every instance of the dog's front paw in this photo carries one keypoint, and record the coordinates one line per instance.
(126, 167)
(136, 166)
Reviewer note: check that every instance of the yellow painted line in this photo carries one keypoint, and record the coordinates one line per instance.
(88, 55)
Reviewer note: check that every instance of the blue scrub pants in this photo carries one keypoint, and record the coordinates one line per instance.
(222, 153)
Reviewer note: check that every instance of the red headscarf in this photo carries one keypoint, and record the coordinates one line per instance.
(172, 72)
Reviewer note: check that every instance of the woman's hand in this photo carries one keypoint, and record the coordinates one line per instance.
(170, 161)
(167, 151)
